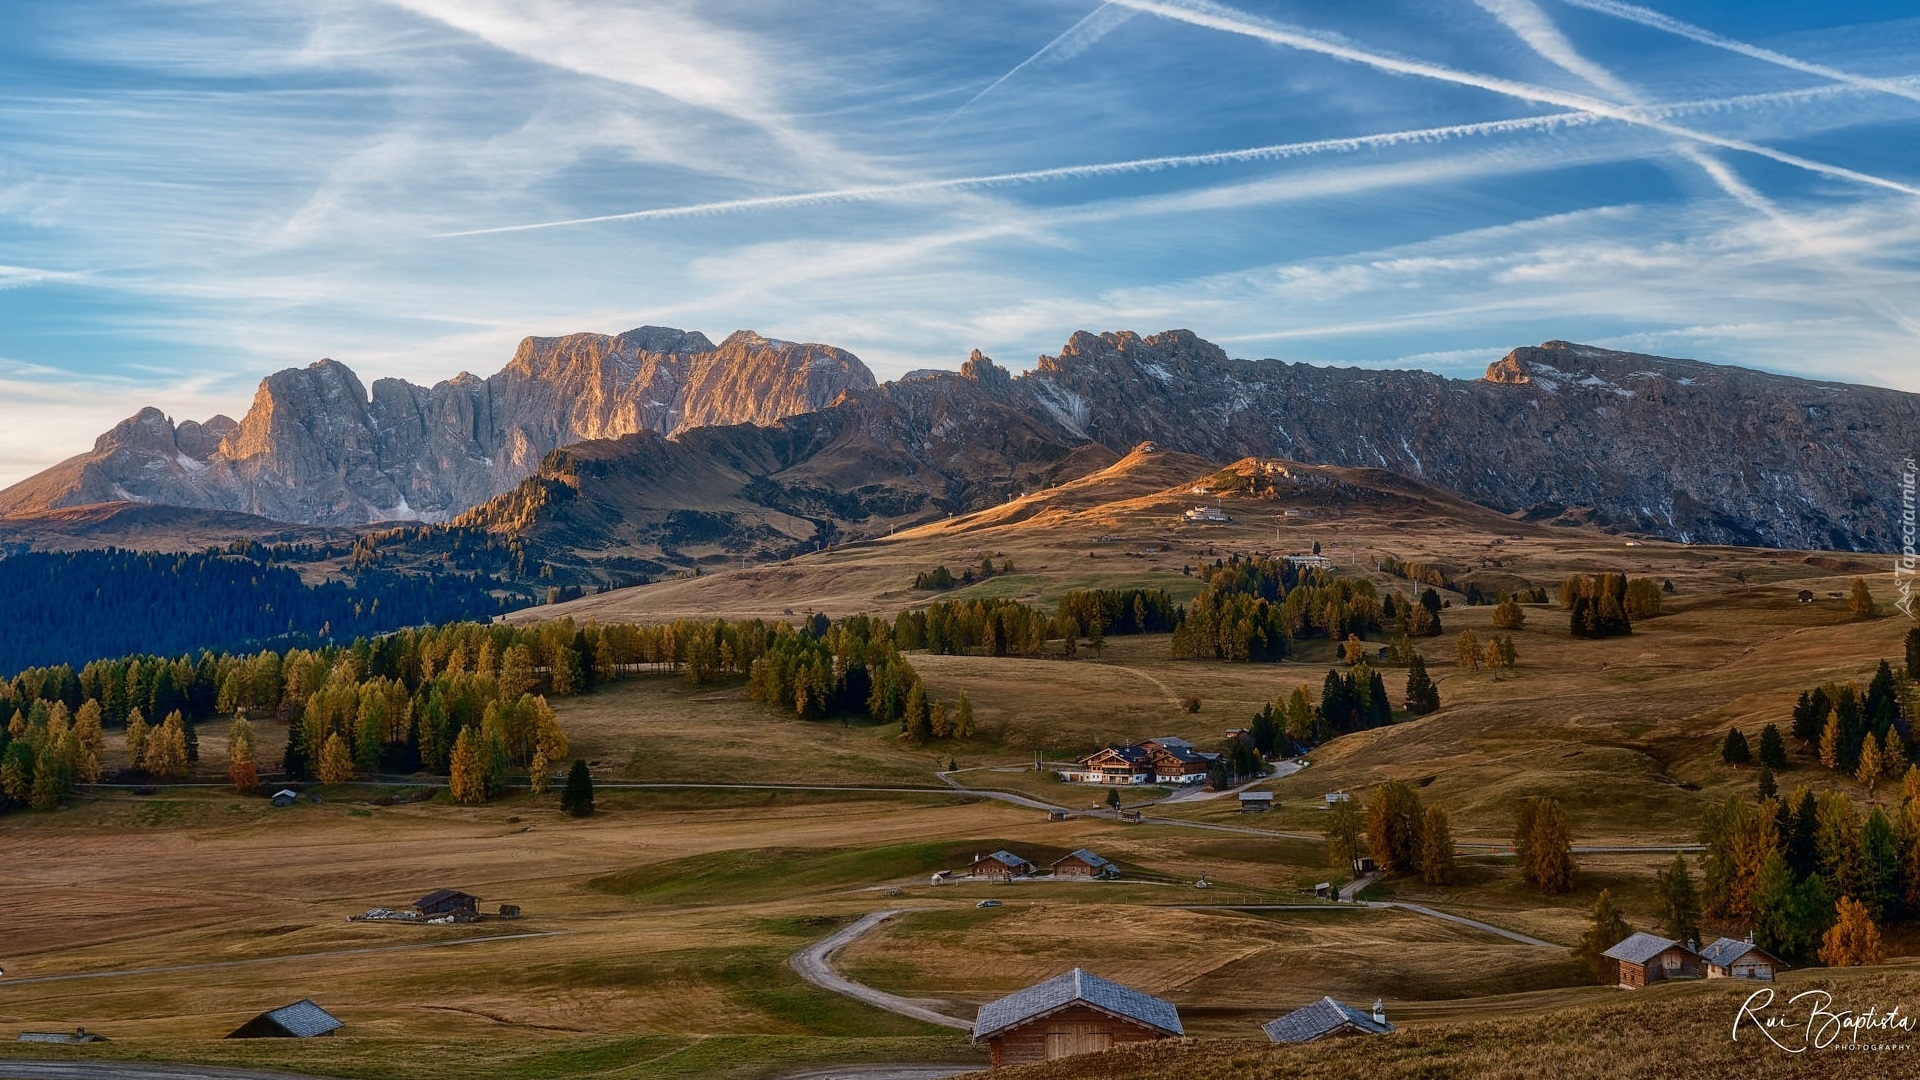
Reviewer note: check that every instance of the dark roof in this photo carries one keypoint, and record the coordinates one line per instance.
(1640, 948)
(441, 895)
(302, 1018)
(1724, 952)
(1076, 986)
(1084, 856)
(1320, 1019)
(1005, 858)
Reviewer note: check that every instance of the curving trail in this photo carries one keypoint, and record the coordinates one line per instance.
(811, 964)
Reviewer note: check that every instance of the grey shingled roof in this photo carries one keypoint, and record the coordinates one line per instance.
(1320, 1019)
(1724, 952)
(1640, 948)
(1005, 858)
(1084, 856)
(1076, 986)
(304, 1018)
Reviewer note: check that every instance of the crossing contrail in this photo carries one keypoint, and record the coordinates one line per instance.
(1213, 16)
(1072, 41)
(1654, 19)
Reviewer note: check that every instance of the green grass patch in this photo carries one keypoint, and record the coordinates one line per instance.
(728, 877)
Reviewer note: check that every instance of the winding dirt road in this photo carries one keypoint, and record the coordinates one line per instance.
(811, 964)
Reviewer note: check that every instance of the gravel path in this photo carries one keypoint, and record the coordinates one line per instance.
(811, 963)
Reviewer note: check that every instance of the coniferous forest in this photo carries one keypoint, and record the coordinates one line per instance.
(71, 607)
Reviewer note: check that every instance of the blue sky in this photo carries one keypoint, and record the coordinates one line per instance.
(195, 193)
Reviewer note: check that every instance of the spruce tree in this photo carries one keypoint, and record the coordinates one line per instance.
(1679, 903)
(1605, 929)
(1773, 749)
(577, 798)
(1423, 696)
(293, 761)
(1734, 750)
(1880, 858)
(1767, 786)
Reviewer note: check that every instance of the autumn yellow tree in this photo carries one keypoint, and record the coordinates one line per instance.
(516, 673)
(166, 756)
(92, 739)
(468, 768)
(1436, 848)
(1860, 601)
(1853, 940)
(136, 738)
(1467, 649)
(1830, 743)
(1353, 650)
(242, 771)
(336, 760)
(1868, 773)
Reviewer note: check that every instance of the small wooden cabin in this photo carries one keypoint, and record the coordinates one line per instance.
(1075, 1013)
(1000, 866)
(1084, 864)
(1649, 958)
(1806, 596)
(1326, 1019)
(1256, 802)
(285, 797)
(300, 1020)
(1731, 958)
(449, 902)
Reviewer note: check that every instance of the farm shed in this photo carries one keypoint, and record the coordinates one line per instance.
(1646, 958)
(1256, 802)
(300, 1020)
(1325, 1019)
(285, 797)
(1084, 864)
(1732, 958)
(448, 902)
(1074, 1013)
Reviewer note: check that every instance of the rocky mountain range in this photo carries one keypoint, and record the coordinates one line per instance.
(316, 448)
(800, 439)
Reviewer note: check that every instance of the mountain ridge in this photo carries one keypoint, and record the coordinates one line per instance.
(1550, 432)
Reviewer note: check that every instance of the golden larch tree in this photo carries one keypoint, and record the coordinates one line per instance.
(1853, 940)
(336, 760)
(136, 738)
(242, 771)
(1467, 650)
(166, 756)
(468, 769)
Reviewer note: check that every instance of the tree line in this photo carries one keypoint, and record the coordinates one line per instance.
(70, 607)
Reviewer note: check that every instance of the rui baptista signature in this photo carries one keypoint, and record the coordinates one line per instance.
(1822, 1026)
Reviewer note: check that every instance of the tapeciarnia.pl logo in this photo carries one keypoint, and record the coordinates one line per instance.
(1808, 1021)
(1905, 566)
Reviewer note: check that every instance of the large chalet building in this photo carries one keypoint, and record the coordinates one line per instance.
(1162, 760)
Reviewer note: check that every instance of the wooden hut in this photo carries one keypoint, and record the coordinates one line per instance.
(1084, 864)
(300, 1020)
(1256, 802)
(1075, 1013)
(1000, 866)
(449, 902)
(1648, 958)
(1326, 1019)
(1732, 958)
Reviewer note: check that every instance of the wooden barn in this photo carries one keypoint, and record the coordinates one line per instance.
(1731, 958)
(449, 902)
(1084, 864)
(1000, 866)
(1256, 802)
(1649, 958)
(1326, 1019)
(300, 1020)
(1071, 1014)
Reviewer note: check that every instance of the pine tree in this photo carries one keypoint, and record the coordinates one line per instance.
(1678, 903)
(1734, 750)
(1773, 750)
(1853, 940)
(1913, 654)
(1837, 845)
(1880, 867)
(1766, 786)
(468, 779)
(293, 761)
(577, 798)
(336, 761)
(1436, 848)
(1422, 696)
(1605, 929)
(1788, 915)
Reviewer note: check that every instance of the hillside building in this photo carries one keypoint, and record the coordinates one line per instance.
(1085, 864)
(1327, 1019)
(1649, 958)
(300, 1020)
(1001, 866)
(1732, 958)
(1070, 1014)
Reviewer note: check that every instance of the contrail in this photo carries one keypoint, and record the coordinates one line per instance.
(1073, 41)
(1205, 13)
(1654, 19)
(870, 192)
